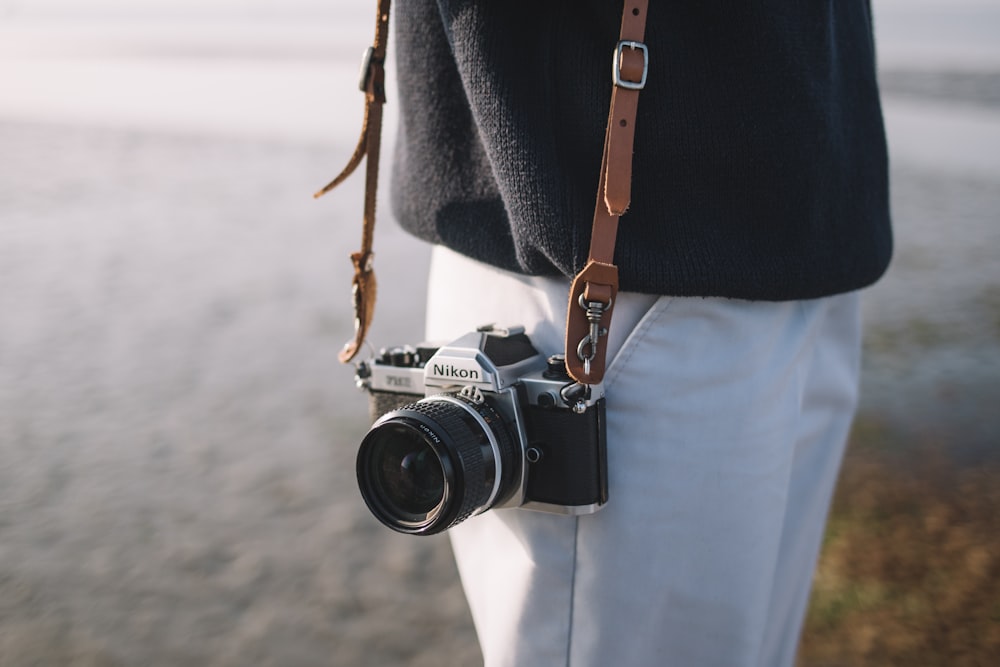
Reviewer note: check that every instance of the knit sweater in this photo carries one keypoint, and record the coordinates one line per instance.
(760, 167)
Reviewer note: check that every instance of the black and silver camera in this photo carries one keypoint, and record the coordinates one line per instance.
(482, 422)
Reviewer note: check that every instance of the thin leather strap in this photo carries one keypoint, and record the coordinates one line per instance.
(373, 85)
(594, 289)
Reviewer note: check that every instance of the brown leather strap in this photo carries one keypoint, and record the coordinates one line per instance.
(373, 85)
(595, 288)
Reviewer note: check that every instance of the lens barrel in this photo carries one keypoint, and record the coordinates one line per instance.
(430, 465)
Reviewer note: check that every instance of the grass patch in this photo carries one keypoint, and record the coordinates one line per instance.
(917, 333)
(910, 568)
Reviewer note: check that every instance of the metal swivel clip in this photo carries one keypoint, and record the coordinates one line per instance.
(587, 349)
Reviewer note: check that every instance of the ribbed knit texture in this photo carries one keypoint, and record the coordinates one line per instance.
(760, 167)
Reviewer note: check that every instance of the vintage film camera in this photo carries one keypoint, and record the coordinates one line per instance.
(482, 422)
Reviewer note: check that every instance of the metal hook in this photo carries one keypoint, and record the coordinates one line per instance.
(595, 312)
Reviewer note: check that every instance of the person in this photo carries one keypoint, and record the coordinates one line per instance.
(759, 210)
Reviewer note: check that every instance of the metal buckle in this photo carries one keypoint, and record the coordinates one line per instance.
(366, 69)
(616, 65)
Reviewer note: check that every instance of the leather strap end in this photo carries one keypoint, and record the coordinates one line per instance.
(596, 282)
(364, 289)
(621, 140)
(360, 151)
(617, 201)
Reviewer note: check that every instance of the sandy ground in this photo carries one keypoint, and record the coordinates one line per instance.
(176, 436)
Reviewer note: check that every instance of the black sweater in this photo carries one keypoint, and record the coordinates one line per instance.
(760, 167)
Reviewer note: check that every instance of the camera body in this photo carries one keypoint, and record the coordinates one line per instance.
(482, 422)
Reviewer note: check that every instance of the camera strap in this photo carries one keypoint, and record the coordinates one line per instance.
(372, 84)
(594, 289)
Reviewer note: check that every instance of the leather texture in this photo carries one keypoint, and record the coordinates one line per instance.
(597, 283)
(594, 289)
(368, 148)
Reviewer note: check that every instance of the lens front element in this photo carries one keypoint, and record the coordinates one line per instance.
(427, 466)
(408, 474)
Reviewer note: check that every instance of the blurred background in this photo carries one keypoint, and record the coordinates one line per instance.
(177, 437)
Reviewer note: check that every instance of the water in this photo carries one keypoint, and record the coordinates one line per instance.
(176, 436)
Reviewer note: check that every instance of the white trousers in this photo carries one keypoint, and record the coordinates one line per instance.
(726, 427)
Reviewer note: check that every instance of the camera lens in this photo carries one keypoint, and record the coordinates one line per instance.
(430, 465)
(407, 472)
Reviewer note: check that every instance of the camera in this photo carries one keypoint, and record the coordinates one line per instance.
(482, 422)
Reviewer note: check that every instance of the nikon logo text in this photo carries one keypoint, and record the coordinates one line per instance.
(449, 371)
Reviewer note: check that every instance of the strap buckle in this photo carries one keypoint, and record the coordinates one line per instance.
(616, 65)
(365, 75)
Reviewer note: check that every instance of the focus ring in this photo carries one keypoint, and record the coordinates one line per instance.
(462, 438)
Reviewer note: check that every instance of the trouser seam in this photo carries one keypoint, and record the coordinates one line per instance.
(572, 592)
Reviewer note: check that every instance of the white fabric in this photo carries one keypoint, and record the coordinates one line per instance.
(726, 426)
